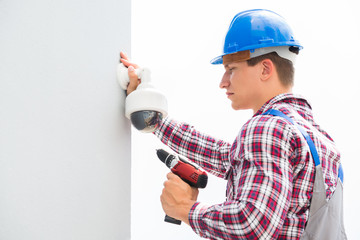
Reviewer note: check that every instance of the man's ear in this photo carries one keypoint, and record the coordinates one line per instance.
(268, 69)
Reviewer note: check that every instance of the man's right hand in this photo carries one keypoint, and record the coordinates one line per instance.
(134, 80)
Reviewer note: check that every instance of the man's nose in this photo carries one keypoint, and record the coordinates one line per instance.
(225, 81)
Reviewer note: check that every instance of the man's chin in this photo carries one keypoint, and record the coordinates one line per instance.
(237, 107)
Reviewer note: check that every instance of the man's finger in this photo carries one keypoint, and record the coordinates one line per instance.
(124, 55)
(127, 63)
(171, 175)
(134, 80)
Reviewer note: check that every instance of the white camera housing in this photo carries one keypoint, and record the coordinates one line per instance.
(146, 106)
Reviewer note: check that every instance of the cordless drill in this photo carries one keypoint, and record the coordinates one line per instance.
(189, 173)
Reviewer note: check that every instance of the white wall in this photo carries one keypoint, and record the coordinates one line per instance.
(64, 142)
(177, 39)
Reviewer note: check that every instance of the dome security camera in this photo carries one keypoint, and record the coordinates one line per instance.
(146, 106)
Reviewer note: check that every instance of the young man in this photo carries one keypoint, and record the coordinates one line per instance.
(271, 167)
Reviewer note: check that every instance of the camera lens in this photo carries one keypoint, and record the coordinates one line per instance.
(146, 121)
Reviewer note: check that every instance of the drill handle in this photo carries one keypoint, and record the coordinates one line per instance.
(172, 220)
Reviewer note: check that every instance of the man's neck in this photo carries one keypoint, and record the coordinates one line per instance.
(268, 96)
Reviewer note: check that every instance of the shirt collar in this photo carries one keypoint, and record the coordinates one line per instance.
(290, 98)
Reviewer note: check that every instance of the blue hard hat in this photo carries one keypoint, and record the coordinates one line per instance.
(257, 28)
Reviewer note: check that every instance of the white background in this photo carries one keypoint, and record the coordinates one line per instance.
(177, 39)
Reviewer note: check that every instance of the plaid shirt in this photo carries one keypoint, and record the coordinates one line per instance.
(269, 169)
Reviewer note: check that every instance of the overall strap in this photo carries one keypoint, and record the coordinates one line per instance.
(309, 141)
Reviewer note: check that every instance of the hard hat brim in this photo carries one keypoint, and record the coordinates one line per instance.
(219, 59)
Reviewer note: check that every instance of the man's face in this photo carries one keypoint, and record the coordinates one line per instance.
(241, 84)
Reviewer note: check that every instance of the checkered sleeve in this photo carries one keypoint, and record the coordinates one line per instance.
(259, 186)
(209, 153)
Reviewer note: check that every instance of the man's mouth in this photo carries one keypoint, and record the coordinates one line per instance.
(228, 94)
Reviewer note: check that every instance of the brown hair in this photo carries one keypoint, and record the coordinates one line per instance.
(284, 67)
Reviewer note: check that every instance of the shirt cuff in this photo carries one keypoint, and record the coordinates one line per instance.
(196, 218)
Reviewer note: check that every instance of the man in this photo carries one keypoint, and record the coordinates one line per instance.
(271, 167)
